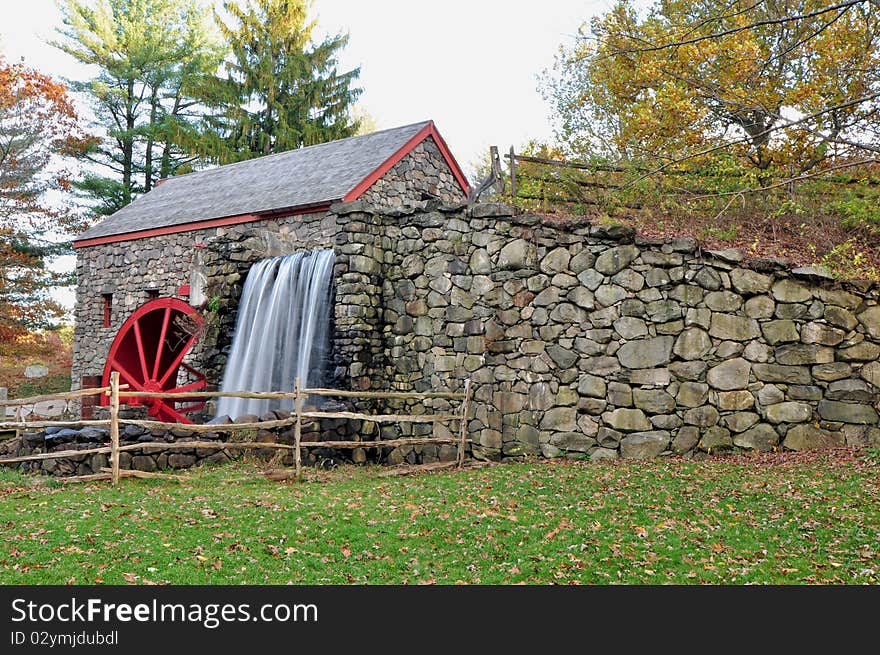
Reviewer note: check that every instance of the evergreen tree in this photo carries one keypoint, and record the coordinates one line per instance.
(282, 90)
(152, 56)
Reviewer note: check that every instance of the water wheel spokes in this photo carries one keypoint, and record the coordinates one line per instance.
(148, 352)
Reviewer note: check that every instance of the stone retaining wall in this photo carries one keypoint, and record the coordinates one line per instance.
(589, 341)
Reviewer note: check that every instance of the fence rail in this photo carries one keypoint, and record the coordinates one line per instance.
(116, 392)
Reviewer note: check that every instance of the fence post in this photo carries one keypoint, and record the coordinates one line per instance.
(462, 428)
(114, 426)
(297, 427)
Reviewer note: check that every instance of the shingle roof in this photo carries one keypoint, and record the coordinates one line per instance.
(305, 177)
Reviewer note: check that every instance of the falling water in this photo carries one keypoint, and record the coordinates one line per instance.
(282, 332)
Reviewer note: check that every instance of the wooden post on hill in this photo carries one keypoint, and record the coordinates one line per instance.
(462, 429)
(114, 426)
(297, 427)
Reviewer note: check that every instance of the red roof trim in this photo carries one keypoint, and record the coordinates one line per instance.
(429, 130)
(197, 225)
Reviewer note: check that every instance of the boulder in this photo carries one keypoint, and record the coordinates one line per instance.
(735, 400)
(870, 319)
(780, 332)
(740, 421)
(591, 385)
(730, 375)
(790, 291)
(572, 441)
(517, 255)
(630, 327)
(733, 328)
(715, 438)
(36, 371)
(692, 343)
(761, 437)
(643, 445)
(692, 394)
(809, 437)
(760, 307)
(614, 260)
(555, 261)
(646, 353)
(723, 301)
(703, 417)
(653, 401)
(627, 420)
(686, 439)
(750, 282)
(833, 410)
(789, 412)
(563, 419)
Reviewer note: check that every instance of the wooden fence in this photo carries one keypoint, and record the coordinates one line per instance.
(116, 391)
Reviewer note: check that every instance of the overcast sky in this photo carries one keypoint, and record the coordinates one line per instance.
(471, 66)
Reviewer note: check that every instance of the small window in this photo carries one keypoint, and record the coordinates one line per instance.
(152, 294)
(108, 308)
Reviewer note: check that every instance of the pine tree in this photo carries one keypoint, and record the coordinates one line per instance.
(281, 90)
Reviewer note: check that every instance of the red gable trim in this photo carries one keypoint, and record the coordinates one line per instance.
(196, 225)
(429, 130)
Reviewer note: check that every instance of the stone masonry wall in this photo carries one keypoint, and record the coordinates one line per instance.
(589, 341)
(423, 174)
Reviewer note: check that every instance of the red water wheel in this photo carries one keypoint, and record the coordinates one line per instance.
(148, 352)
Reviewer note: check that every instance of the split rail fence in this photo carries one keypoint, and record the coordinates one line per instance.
(116, 391)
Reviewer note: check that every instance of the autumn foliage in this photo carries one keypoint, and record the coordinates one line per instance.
(38, 129)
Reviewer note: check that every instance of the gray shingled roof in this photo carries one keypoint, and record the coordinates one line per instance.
(298, 178)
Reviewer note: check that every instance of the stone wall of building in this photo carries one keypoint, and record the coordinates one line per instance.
(589, 341)
(422, 175)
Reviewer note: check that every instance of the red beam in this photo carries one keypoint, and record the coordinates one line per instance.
(197, 225)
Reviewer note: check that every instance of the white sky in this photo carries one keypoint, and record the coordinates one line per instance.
(471, 66)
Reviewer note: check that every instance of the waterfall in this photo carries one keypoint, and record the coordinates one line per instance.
(282, 331)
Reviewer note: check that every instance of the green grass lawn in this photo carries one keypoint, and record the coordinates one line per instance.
(781, 518)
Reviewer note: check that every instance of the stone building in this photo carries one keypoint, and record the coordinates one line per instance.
(580, 340)
(190, 241)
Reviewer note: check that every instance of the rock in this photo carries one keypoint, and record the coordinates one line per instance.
(729, 349)
(563, 357)
(723, 301)
(861, 352)
(540, 396)
(488, 438)
(549, 296)
(581, 262)
(36, 371)
(761, 437)
(686, 439)
(797, 354)
(790, 291)
(629, 327)
(735, 400)
(760, 307)
(610, 294)
(756, 351)
(730, 375)
(480, 264)
(616, 259)
(789, 412)
(692, 394)
(563, 419)
(870, 372)
(143, 463)
(591, 385)
(838, 297)
(692, 343)
(821, 334)
(840, 317)
(658, 377)
(572, 441)
(854, 391)
(715, 438)
(734, 328)
(810, 437)
(770, 394)
(619, 394)
(666, 421)
(603, 453)
(837, 371)
(181, 461)
(609, 438)
(508, 402)
(779, 332)
(656, 277)
(740, 421)
(805, 392)
(832, 410)
(567, 313)
(818, 272)
(662, 311)
(750, 282)
(705, 416)
(653, 401)
(556, 261)
(643, 445)
(728, 255)
(688, 370)
(582, 298)
(646, 353)
(517, 255)
(870, 319)
(700, 317)
(791, 310)
(778, 373)
(708, 278)
(627, 420)
(629, 280)
(590, 278)
(665, 259)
